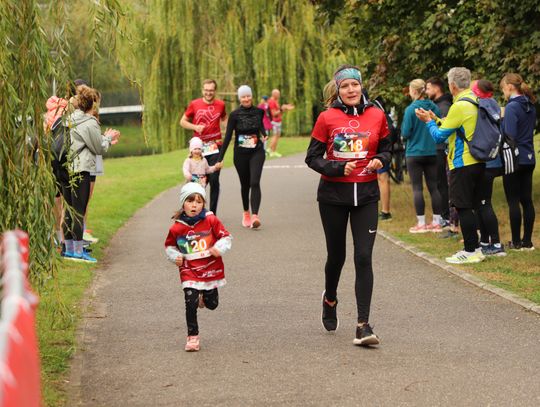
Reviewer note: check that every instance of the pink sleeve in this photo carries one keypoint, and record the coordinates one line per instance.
(208, 169)
(186, 169)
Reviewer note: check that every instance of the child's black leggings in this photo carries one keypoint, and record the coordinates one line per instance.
(191, 295)
(364, 227)
(249, 166)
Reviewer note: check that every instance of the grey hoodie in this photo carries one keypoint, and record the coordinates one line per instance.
(86, 141)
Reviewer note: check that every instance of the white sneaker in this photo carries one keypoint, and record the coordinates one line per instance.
(464, 257)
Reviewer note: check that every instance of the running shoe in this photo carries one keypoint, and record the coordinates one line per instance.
(192, 344)
(514, 246)
(385, 216)
(419, 229)
(527, 246)
(448, 233)
(329, 317)
(492, 250)
(435, 228)
(246, 219)
(365, 336)
(84, 257)
(464, 257)
(255, 222)
(275, 154)
(88, 237)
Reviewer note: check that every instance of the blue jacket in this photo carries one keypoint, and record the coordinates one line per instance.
(415, 132)
(518, 122)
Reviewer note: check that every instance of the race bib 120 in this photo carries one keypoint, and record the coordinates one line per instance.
(195, 245)
(351, 145)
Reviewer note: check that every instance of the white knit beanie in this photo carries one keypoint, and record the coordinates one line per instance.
(244, 90)
(189, 189)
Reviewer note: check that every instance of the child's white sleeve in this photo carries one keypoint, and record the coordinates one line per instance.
(224, 244)
(172, 253)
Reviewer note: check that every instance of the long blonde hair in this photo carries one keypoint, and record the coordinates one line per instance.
(517, 81)
(420, 86)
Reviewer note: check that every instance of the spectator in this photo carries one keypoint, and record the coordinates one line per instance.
(435, 90)
(421, 158)
(519, 122)
(466, 172)
(276, 111)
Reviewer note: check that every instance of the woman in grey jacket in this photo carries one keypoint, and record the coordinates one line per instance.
(86, 143)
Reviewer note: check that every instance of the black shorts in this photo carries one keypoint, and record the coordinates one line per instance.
(464, 190)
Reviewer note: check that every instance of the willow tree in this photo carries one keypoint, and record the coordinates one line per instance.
(33, 56)
(265, 44)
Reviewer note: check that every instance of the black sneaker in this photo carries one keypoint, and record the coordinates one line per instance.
(514, 246)
(527, 246)
(365, 336)
(329, 317)
(385, 216)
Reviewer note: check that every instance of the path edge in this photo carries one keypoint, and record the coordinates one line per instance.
(91, 309)
(469, 278)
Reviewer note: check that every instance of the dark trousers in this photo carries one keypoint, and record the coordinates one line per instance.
(426, 166)
(76, 196)
(191, 296)
(487, 220)
(249, 166)
(518, 191)
(213, 181)
(364, 226)
(442, 183)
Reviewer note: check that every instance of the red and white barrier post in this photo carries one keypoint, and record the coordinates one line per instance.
(19, 356)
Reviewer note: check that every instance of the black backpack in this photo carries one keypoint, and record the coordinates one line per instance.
(59, 146)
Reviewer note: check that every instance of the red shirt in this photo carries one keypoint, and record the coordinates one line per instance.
(273, 105)
(351, 138)
(193, 242)
(200, 112)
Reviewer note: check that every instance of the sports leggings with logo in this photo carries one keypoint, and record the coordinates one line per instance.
(364, 226)
(249, 166)
(191, 295)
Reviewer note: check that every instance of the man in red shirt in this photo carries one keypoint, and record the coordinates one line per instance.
(277, 112)
(203, 116)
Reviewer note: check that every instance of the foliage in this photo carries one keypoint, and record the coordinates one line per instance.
(265, 44)
(426, 38)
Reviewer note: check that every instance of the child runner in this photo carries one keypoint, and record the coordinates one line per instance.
(195, 243)
(196, 166)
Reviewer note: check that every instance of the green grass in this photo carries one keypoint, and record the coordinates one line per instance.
(128, 184)
(131, 143)
(518, 272)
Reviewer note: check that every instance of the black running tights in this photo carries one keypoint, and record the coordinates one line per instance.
(486, 217)
(191, 295)
(249, 167)
(518, 191)
(427, 166)
(76, 196)
(364, 226)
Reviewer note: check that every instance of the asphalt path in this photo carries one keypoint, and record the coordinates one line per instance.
(443, 341)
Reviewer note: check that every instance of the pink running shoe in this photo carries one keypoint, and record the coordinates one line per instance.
(246, 219)
(255, 222)
(419, 229)
(192, 344)
(435, 228)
